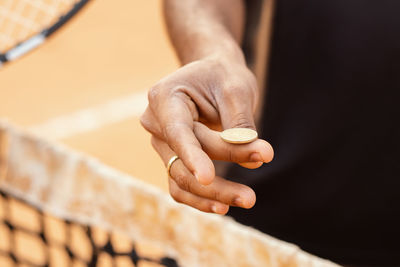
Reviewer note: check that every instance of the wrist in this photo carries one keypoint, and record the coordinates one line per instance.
(205, 46)
(228, 52)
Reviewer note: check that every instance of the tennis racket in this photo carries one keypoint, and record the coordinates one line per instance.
(26, 24)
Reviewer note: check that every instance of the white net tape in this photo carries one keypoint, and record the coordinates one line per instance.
(21, 19)
(76, 187)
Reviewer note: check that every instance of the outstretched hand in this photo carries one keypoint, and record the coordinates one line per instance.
(185, 110)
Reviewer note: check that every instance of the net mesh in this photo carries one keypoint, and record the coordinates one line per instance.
(21, 19)
(62, 208)
(44, 240)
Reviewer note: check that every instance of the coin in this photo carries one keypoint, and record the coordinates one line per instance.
(239, 135)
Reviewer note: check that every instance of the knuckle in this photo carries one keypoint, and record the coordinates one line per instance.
(149, 124)
(183, 182)
(172, 131)
(252, 80)
(178, 91)
(145, 122)
(234, 91)
(216, 194)
(174, 91)
(175, 193)
(231, 155)
(242, 120)
(153, 94)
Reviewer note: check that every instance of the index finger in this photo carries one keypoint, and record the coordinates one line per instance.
(177, 122)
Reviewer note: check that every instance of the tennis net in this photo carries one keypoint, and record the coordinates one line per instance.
(59, 207)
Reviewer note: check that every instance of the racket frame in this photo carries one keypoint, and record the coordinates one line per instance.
(36, 40)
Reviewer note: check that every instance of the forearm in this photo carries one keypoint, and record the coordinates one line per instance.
(205, 28)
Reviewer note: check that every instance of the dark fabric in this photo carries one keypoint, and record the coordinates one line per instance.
(332, 115)
(253, 15)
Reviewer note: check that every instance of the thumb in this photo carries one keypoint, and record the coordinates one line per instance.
(239, 115)
(237, 112)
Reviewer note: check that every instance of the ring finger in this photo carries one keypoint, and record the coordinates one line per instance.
(194, 201)
(221, 190)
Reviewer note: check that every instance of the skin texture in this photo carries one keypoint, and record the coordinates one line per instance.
(214, 90)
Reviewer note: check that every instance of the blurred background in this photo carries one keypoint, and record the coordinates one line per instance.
(107, 53)
(103, 60)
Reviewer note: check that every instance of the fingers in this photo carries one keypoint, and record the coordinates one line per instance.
(220, 190)
(150, 123)
(194, 201)
(251, 165)
(237, 105)
(175, 117)
(200, 92)
(250, 155)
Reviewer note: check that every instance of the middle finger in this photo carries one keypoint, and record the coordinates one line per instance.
(220, 189)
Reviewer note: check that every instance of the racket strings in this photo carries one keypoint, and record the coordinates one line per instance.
(21, 19)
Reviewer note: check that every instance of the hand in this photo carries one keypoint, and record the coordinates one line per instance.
(184, 107)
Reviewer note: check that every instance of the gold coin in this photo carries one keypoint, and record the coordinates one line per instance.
(239, 135)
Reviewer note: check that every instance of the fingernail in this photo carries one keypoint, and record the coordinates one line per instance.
(256, 157)
(259, 164)
(214, 208)
(238, 201)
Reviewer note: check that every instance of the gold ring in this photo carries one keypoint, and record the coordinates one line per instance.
(169, 165)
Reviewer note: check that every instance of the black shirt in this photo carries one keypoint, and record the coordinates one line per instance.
(332, 114)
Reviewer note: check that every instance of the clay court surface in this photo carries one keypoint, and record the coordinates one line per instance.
(107, 54)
